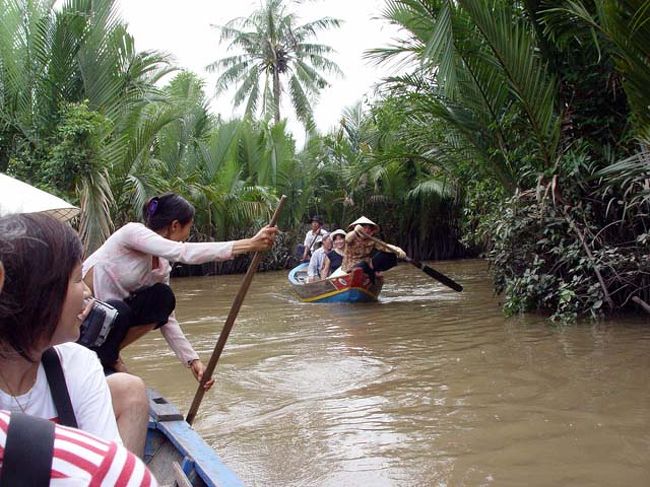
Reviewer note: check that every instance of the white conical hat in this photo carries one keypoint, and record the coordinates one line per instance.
(362, 221)
(19, 197)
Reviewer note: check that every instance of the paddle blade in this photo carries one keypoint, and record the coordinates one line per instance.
(438, 276)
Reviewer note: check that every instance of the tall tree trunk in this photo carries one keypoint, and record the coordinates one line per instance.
(276, 96)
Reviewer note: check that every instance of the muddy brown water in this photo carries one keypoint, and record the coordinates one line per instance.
(426, 387)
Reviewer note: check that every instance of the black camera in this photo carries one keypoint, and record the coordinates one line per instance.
(97, 325)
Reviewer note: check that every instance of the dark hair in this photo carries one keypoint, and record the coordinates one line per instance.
(160, 211)
(316, 218)
(39, 254)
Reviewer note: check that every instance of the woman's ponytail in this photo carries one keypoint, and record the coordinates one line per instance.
(160, 211)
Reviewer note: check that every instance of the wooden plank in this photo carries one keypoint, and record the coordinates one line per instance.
(180, 477)
(160, 409)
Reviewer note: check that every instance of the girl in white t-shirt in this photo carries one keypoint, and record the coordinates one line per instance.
(79, 458)
(41, 306)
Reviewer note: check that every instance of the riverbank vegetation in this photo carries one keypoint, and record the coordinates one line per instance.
(517, 130)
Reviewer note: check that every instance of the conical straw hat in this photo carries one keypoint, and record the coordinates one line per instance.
(362, 221)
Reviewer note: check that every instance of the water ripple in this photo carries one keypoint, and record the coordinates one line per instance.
(426, 387)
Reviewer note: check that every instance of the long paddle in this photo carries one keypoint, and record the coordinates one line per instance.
(230, 321)
(438, 276)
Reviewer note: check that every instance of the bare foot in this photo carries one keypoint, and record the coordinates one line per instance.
(120, 366)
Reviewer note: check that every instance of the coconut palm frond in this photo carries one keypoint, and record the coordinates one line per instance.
(528, 78)
(269, 45)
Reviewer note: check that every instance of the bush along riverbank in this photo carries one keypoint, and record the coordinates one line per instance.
(573, 247)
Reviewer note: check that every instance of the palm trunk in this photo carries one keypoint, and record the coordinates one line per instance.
(276, 96)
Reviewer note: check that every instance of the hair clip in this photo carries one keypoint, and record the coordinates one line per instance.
(152, 206)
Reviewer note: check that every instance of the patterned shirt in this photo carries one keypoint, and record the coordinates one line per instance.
(358, 249)
(82, 459)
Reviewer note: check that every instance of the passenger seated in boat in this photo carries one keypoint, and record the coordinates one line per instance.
(313, 238)
(41, 308)
(74, 457)
(334, 258)
(80, 458)
(365, 253)
(127, 392)
(314, 271)
(131, 272)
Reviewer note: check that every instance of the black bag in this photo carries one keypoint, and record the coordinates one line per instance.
(97, 325)
(29, 447)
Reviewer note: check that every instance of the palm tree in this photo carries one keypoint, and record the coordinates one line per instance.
(481, 74)
(275, 55)
(77, 60)
(621, 29)
(229, 170)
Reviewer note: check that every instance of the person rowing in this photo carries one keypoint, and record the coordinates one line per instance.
(368, 254)
(131, 272)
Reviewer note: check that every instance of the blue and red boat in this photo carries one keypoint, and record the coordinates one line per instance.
(354, 287)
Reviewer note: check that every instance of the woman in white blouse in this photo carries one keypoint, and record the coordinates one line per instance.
(131, 272)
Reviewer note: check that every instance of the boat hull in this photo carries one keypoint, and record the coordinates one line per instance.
(177, 455)
(354, 287)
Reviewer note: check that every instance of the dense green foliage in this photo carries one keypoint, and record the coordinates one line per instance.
(72, 91)
(517, 128)
(81, 116)
(528, 105)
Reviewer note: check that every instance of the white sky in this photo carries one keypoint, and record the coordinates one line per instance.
(183, 29)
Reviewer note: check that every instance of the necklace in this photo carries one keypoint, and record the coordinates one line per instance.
(22, 408)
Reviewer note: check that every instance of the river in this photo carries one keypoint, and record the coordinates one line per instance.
(426, 387)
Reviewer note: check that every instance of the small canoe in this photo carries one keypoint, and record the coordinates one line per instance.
(354, 287)
(177, 455)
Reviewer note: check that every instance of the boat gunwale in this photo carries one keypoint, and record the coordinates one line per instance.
(372, 296)
(166, 420)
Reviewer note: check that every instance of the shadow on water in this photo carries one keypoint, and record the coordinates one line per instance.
(426, 387)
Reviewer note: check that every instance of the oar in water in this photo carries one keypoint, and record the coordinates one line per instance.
(438, 276)
(230, 321)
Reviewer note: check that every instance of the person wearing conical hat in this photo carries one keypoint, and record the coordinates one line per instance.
(361, 251)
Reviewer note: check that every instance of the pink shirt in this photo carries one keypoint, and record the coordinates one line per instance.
(123, 264)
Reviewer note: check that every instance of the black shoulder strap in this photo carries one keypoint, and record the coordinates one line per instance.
(58, 387)
(313, 242)
(28, 452)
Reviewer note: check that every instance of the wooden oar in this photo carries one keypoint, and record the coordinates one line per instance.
(438, 276)
(230, 321)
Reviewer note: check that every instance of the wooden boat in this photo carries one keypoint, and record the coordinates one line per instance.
(354, 287)
(177, 455)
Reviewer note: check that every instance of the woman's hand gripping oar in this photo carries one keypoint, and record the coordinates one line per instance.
(230, 321)
(438, 276)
